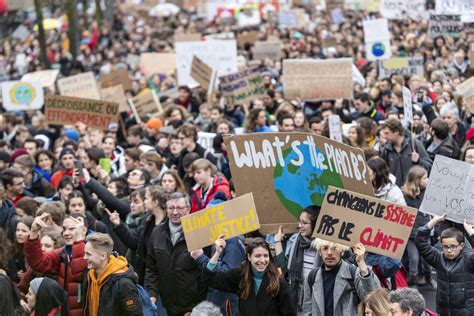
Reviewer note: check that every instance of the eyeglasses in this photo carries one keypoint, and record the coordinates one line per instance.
(450, 247)
(177, 208)
(302, 223)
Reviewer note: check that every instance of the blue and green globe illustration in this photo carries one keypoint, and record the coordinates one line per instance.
(22, 93)
(300, 186)
(378, 49)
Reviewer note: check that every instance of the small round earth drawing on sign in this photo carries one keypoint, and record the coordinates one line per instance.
(22, 93)
(378, 49)
(298, 187)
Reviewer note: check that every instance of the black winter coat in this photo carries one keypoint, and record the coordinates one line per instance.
(172, 272)
(455, 294)
(118, 296)
(262, 304)
(448, 148)
(421, 218)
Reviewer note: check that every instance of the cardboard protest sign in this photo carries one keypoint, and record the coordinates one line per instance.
(471, 55)
(189, 37)
(348, 218)
(145, 104)
(70, 110)
(244, 85)
(335, 132)
(377, 39)
(445, 25)
(220, 55)
(466, 89)
(157, 63)
(232, 218)
(461, 7)
(21, 33)
(201, 72)
(80, 86)
(407, 106)
(115, 77)
(247, 38)
(450, 190)
(46, 78)
(22, 96)
(289, 171)
(115, 94)
(270, 50)
(317, 79)
(407, 66)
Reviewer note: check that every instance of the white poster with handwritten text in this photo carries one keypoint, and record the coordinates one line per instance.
(450, 190)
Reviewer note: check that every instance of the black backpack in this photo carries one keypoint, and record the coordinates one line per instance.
(352, 268)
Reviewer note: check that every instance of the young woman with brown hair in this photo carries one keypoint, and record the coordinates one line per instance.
(258, 283)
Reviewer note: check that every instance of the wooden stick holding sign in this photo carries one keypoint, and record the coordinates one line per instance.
(232, 218)
(348, 218)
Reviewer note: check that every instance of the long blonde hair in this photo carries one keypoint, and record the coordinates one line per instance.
(412, 186)
(377, 302)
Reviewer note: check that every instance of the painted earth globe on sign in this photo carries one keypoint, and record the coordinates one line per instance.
(300, 186)
(22, 93)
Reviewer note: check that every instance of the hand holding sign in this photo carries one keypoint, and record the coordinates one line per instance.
(468, 228)
(220, 244)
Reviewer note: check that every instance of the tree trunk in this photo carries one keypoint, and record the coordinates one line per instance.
(41, 35)
(98, 13)
(85, 5)
(72, 29)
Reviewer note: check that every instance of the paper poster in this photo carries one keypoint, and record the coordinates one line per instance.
(407, 106)
(335, 132)
(80, 86)
(317, 79)
(407, 66)
(70, 110)
(220, 55)
(201, 72)
(243, 86)
(232, 218)
(115, 94)
(348, 218)
(289, 171)
(377, 39)
(157, 63)
(145, 104)
(267, 49)
(445, 25)
(450, 190)
(46, 78)
(116, 77)
(206, 140)
(22, 96)
(461, 7)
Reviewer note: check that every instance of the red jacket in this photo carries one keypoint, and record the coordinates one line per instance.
(219, 184)
(58, 175)
(69, 271)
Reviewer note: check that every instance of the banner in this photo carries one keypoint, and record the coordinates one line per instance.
(116, 77)
(349, 218)
(289, 171)
(157, 63)
(22, 96)
(466, 89)
(461, 7)
(80, 86)
(70, 110)
(232, 218)
(243, 86)
(47, 78)
(201, 72)
(145, 104)
(407, 66)
(220, 55)
(445, 25)
(362, 5)
(377, 39)
(117, 95)
(317, 79)
(267, 49)
(403, 9)
(450, 190)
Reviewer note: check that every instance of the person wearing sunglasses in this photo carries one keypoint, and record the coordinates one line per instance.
(454, 267)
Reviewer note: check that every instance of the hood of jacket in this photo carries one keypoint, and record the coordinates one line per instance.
(8, 209)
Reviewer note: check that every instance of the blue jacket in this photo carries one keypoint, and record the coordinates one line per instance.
(231, 257)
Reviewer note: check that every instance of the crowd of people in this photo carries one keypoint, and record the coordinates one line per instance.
(90, 220)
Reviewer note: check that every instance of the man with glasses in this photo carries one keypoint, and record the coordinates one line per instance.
(454, 267)
(406, 302)
(171, 272)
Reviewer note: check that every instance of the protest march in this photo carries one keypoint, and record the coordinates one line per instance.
(242, 157)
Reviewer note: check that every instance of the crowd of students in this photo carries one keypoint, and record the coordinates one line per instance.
(90, 220)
